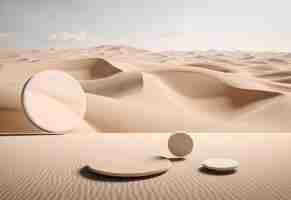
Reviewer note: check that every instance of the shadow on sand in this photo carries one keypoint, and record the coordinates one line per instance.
(206, 171)
(87, 173)
(172, 159)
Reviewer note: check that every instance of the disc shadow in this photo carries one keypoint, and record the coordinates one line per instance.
(87, 173)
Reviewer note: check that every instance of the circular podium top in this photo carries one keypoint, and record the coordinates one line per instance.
(129, 165)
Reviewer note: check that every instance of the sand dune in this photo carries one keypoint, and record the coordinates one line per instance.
(91, 68)
(135, 90)
(120, 84)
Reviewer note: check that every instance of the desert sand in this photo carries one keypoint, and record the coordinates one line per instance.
(135, 92)
(54, 167)
(197, 91)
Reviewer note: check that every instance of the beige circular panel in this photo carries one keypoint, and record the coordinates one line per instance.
(54, 101)
(129, 166)
(220, 164)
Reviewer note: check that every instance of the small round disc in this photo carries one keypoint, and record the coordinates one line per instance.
(180, 144)
(54, 101)
(128, 166)
(220, 164)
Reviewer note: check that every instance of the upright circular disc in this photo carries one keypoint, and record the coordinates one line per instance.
(129, 166)
(180, 144)
(54, 101)
(220, 164)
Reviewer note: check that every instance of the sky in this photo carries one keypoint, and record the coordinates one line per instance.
(257, 25)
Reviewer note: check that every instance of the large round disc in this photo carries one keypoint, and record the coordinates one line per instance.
(129, 165)
(54, 101)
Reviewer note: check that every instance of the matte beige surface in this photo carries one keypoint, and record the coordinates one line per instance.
(53, 167)
(127, 162)
(195, 91)
(54, 101)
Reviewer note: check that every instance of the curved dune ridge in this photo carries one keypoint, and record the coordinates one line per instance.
(132, 90)
(120, 84)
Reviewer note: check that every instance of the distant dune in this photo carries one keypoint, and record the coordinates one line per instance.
(138, 90)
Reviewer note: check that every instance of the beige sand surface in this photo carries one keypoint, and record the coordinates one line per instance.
(160, 92)
(210, 91)
(54, 167)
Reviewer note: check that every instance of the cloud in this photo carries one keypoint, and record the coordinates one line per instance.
(72, 39)
(80, 39)
(258, 41)
(7, 40)
(66, 36)
(4, 35)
